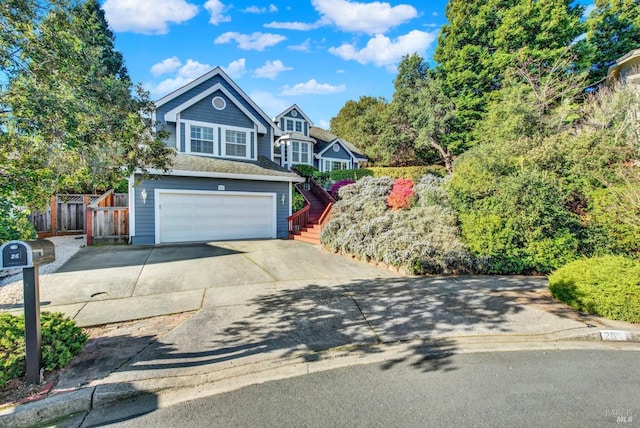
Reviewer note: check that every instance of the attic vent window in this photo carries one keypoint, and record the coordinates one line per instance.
(294, 113)
(336, 148)
(219, 103)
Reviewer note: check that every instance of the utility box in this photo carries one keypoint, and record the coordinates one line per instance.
(26, 254)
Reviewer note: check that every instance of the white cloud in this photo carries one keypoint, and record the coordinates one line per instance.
(324, 124)
(256, 41)
(236, 69)
(191, 70)
(255, 9)
(312, 87)
(370, 18)
(168, 65)
(143, 16)
(270, 103)
(216, 9)
(302, 47)
(271, 69)
(296, 25)
(382, 51)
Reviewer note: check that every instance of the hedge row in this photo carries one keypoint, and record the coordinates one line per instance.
(411, 172)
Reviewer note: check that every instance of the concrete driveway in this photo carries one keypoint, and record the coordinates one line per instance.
(106, 284)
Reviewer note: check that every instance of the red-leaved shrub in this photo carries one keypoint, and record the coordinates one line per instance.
(402, 194)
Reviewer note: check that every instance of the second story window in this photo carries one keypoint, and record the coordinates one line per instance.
(294, 125)
(235, 143)
(201, 139)
(299, 152)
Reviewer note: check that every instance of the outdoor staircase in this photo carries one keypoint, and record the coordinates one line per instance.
(317, 207)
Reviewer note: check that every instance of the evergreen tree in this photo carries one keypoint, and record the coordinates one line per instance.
(614, 30)
(484, 38)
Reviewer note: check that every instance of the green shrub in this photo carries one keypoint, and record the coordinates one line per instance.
(411, 172)
(322, 178)
(298, 201)
(522, 227)
(608, 286)
(423, 240)
(350, 174)
(61, 340)
(613, 225)
(14, 223)
(305, 170)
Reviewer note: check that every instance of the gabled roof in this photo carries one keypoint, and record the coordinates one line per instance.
(326, 139)
(217, 72)
(298, 109)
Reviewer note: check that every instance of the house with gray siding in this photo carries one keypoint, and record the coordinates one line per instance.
(301, 143)
(226, 182)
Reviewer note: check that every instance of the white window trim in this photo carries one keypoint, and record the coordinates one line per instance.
(219, 142)
(324, 160)
(294, 120)
(187, 137)
(248, 131)
(309, 153)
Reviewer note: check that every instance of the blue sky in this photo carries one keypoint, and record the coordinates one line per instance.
(318, 54)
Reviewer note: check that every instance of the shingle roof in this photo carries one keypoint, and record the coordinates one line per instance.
(262, 166)
(325, 138)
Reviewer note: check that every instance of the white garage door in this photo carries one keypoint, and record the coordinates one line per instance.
(209, 216)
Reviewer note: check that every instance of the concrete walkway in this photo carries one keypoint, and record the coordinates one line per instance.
(234, 313)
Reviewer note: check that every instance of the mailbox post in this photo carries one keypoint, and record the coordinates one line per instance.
(28, 255)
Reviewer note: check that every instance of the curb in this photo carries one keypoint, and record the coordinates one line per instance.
(60, 405)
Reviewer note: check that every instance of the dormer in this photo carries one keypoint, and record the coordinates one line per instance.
(293, 119)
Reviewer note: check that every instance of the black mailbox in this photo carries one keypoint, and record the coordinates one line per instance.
(26, 254)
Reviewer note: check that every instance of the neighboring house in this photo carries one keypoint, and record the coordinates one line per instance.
(224, 183)
(332, 153)
(304, 144)
(627, 68)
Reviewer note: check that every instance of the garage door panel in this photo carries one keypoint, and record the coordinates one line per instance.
(188, 216)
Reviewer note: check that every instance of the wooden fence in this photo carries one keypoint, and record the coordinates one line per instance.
(107, 219)
(67, 214)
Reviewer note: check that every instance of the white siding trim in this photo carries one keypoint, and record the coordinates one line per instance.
(341, 145)
(215, 72)
(210, 174)
(171, 115)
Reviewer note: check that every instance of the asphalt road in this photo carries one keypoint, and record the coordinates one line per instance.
(541, 389)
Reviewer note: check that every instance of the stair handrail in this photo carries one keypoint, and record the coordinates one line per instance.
(300, 218)
(320, 192)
